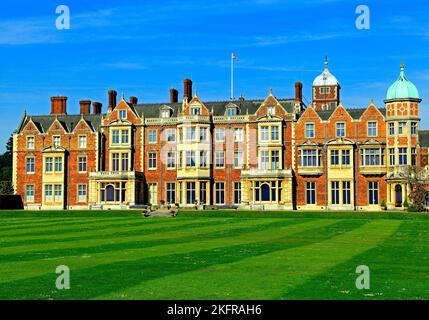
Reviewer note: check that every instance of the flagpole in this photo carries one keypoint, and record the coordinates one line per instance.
(232, 77)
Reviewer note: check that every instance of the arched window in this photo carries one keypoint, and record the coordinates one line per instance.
(110, 193)
(265, 192)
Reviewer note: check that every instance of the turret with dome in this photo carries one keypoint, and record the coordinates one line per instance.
(326, 90)
(402, 88)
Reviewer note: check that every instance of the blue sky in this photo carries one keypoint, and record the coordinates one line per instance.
(143, 48)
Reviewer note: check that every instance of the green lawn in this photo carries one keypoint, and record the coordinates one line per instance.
(214, 255)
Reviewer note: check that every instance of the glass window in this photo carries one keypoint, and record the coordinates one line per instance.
(195, 111)
(401, 126)
(264, 159)
(373, 192)
(191, 134)
(165, 113)
(391, 128)
(220, 134)
(275, 159)
(125, 138)
(310, 189)
(275, 133)
(414, 126)
(392, 156)
(115, 162)
(171, 192)
(237, 192)
(171, 135)
(203, 134)
(152, 160)
(58, 164)
(48, 193)
(190, 193)
(82, 142)
(345, 157)
(220, 192)
(413, 156)
(371, 157)
(230, 112)
(49, 164)
(30, 143)
(335, 157)
(309, 130)
(264, 133)
(335, 192)
(115, 136)
(341, 129)
(152, 136)
(403, 159)
(58, 193)
(125, 162)
(203, 159)
(238, 134)
(122, 114)
(372, 129)
(346, 192)
(30, 165)
(220, 159)
(171, 159)
(56, 141)
(203, 192)
(81, 193)
(238, 159)
(29, 193)
(82, 163)
(190, 159)
(308, 158)
(271, 110)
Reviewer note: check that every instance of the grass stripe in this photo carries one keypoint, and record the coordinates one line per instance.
(394, 273)
(152, 262)
(286, 269)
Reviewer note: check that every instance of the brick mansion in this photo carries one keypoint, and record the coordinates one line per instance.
(272, 153)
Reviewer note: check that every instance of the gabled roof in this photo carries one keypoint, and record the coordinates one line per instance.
(355, 113)
(69, 122)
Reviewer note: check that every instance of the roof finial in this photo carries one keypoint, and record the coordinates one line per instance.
(123, 96)
(271, 91)
(326, 62)
(196, 92)
(402, 66)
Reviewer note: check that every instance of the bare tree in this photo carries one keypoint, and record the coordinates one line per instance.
(416, 179)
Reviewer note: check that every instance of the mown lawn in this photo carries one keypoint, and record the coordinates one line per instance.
(214, 255)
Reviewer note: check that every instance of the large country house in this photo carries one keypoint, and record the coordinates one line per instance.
(262, 154)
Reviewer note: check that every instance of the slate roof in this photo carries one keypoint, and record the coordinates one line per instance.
(355, 113)
(424, 138)
(68, 121)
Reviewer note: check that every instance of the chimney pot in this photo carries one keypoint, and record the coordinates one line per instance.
(112, 100)
(85, 107)
(174, 96)
(96, 107)
(187, 89)
(133, 100)
(298, 91)
(59, 105)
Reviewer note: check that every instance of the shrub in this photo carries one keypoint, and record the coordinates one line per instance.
(405, 204)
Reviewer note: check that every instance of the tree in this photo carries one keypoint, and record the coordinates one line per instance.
(417, 180)
(6, 188)
(6, 162)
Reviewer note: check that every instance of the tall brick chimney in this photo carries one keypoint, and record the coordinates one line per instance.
(298, 91)
(187, 89)
(133, 100)
(59, 105)
(112, 100)
(96, 107)
(174, 96)
(85, 107)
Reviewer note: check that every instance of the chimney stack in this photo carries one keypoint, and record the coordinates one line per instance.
(174, 96)
(133, 100)
(96, 107)
(58, 105)
(298, 92)
(85, 107)
(187, 89)
(112, 100)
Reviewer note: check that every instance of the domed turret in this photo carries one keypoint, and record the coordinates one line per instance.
(402, 88)
(325, 78)
(326, 90)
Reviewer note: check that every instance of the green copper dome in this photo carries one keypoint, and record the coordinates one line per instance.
(402, 88)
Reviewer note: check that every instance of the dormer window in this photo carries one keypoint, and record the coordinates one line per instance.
(195, 111)
(231, 112)
(325, 90)
(271, 111)
(165, 113)
(122, 114)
